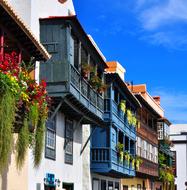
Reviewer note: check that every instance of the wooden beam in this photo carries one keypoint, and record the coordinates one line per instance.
(1, 42)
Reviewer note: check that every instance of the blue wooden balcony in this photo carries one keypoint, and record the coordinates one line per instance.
(114, 114)
(106, 161)
(79, 98)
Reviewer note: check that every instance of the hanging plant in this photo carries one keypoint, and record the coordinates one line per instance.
(127, 157)
(129, 117)
(22, 101)
(7, 117)
(33, 116)
(39, 141)
(122, 106)
(86, 69)
(22, 143)
(138, 162)
(120, 148)
(134, 121)
(133, 163)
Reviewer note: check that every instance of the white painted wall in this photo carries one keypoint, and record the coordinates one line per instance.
(65, 172)
(86, 175)
(181, 151)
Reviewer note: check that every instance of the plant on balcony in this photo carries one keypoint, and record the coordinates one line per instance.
(86, 69)
(122, 106)
(127, 157)
(120, 148)
(129, 116)
(138, 162)
(134, 121)
(23, 103)
(132, 159)
(168, 142)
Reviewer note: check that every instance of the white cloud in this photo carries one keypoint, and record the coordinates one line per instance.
(164, 14)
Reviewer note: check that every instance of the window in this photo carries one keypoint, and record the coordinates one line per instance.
(138, 147)
(68, 141)
(95, 184)
(116, 186)
(50, 141)
(160, 130)
(174, 163)
(110, 185)
(103, 185)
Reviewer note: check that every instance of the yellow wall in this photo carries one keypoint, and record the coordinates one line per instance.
(135, 181)
(12, 179)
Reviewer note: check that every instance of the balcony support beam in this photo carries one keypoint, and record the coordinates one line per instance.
(82, 150)
(57, 109)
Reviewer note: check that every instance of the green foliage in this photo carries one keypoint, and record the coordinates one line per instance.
(138, 162)
(22, 144)
(127, 157)
(39, 141)
(120, 147)
(122, 105)
(7, 118)
(34, 115)
(131, 118)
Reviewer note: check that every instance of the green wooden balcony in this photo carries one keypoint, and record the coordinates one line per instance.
(80, 99)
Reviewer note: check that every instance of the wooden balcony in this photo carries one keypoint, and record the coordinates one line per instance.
(147, 133)
(64, 82)
(106, 161)
(114, 114)
(148, 168)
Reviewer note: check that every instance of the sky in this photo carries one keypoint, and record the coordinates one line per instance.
(149, 38)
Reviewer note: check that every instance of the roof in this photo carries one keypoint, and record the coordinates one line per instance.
(165, 120)
(145, 103)
(125, 88)
(14, 23)
(73, 19)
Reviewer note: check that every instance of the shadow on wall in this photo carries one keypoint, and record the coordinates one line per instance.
(4, 175)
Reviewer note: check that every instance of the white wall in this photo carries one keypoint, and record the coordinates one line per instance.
(86, 175)
(181, 153)
(65, 172)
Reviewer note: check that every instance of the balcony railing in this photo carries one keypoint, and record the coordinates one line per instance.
(117, 115)
(86, 89)
(107, 160)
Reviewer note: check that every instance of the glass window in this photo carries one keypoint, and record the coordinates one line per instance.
(160, 130)
(68, 141)
(50, 140)
(103, 185)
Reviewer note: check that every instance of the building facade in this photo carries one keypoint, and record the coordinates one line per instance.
(113, 148)
(147, 141)
(16, 37)
(72, 76)
(178, 136)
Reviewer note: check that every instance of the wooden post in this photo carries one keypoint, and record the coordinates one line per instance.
(1, 42)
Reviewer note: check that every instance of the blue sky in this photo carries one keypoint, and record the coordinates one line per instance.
(149, 38)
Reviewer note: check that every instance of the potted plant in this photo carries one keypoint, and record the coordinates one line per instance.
(134, 120)
(86, 69)
(120, 148)
(95, 81)
(129, 116)
(102, 87)
(138, 161)
(127, 157)
(122, 106)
